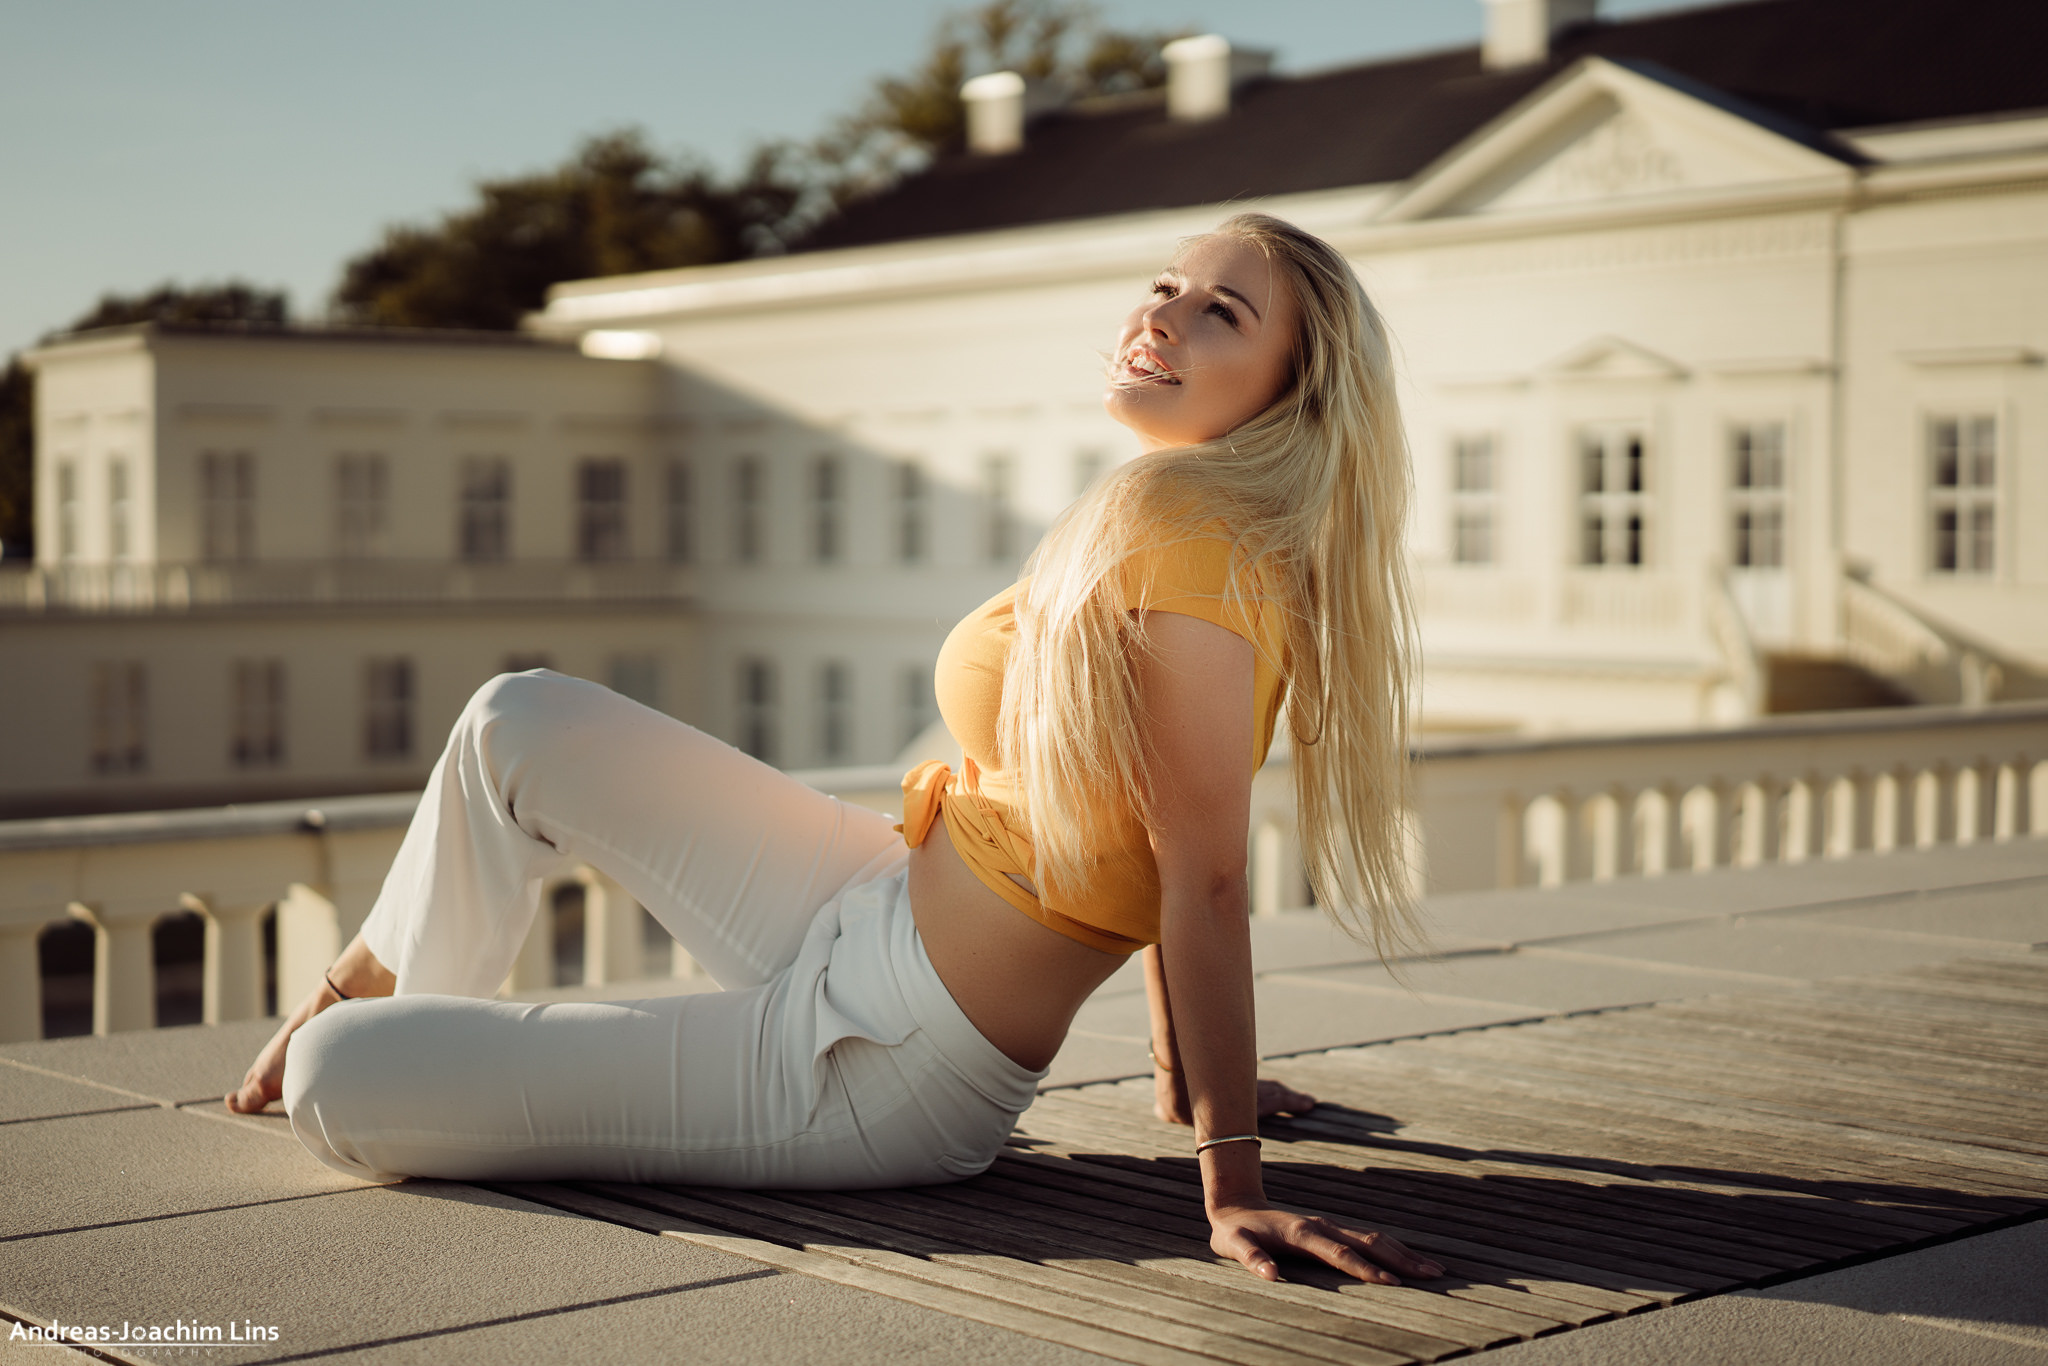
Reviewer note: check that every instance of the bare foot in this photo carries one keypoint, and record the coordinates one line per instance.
(359, 973)
(265, 1081)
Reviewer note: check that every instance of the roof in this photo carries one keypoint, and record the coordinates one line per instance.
(1826, 64)
(302, 332)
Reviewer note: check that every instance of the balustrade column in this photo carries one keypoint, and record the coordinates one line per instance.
(1976, 802)
(1723, 843)
(1807, 819)
(1612, 825)
(21, 984)
(1856, 810)
(2015, 821)
(1898, 820)
(1577, 837)
(231, 978)
(123, 967)
(1664, 830)
(611, 932)
(1934, 803)
(1277, 881)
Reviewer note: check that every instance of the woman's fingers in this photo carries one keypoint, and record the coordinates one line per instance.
(1385, 1249)
(1247, 1251)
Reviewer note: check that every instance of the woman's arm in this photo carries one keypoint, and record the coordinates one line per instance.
(1195, 688)
(1170, 1083)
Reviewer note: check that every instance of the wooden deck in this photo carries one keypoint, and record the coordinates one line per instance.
(1565, 1171)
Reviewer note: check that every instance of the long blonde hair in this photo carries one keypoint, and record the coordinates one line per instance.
(1313, 493)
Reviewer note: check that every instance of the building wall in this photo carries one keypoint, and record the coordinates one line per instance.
(1948, 310)
(188, 730)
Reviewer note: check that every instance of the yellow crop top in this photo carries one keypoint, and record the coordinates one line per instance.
(1116, 908)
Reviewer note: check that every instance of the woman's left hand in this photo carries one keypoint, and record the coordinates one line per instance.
(1253, 1235)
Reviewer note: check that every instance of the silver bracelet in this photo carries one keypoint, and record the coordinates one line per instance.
(1209, 1143)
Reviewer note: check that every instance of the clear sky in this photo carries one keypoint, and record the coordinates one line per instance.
(194, 140)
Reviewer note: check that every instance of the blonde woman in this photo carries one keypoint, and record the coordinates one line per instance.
(891, 1000)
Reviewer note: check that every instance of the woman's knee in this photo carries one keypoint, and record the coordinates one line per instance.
(518, 714)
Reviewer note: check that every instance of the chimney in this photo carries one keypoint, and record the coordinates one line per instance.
(995, 113)
(999, 105)
(1518, 32)
(1201, 73)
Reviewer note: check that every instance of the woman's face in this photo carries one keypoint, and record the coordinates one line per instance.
(1211, 349)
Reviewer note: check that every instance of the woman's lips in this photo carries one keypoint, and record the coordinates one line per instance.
(1143, 367)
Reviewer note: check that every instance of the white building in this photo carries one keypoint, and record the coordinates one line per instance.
(1723, 337)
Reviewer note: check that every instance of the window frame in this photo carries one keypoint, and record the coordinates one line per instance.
(1981, 498)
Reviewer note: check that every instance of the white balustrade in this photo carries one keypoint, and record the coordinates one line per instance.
(1489, 813)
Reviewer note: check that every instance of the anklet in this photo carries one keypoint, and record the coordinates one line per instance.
(1207, 1144)
(329, 975)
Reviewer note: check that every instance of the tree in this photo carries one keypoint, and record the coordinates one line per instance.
(614, 208)
(907, 120)
(231, 302)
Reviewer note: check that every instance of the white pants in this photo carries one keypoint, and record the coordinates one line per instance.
(834, 1057)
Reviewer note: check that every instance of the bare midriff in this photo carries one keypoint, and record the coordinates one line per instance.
(1018, 981)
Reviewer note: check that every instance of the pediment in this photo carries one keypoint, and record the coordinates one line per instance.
(1612, 359)
(1607, 132)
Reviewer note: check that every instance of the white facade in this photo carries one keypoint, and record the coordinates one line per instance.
(1810, 379)
(1766, 342)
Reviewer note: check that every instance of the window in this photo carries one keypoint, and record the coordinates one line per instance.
(1963, 493)
(1088, 467)
(682, 512)
(227, 505)
(1614, 497)
(748, 531)
(1474, 491)
(360, 486)
(257, 725)
(997, 472)
(911, 499)
(637, 677)
(68, 511)
(757, 709)
(120, 713)
(827, 494)
(387, 709)
(485, 530)
(1756, 496)
(835, 711)
(918, 711)
(601, 510)
(120, 508)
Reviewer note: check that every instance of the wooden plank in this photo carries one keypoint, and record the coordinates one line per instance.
(1557, 1281)
(1098, 1252)
(650, 1209)
(1192, 1327)
(1343, 1199)
(1597, 1138)
(974, 1308)
(1820, 1201)
(1502, 1214)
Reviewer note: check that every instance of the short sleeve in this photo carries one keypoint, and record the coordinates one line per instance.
(1187, 578)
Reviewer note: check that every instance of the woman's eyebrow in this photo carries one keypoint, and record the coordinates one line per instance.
(1226, 289)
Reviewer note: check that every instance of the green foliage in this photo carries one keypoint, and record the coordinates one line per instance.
(614, 208)
(231, 302)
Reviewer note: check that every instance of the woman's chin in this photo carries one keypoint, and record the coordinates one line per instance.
(1130, 408)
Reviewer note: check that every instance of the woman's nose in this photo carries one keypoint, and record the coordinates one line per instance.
(1159, 318)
